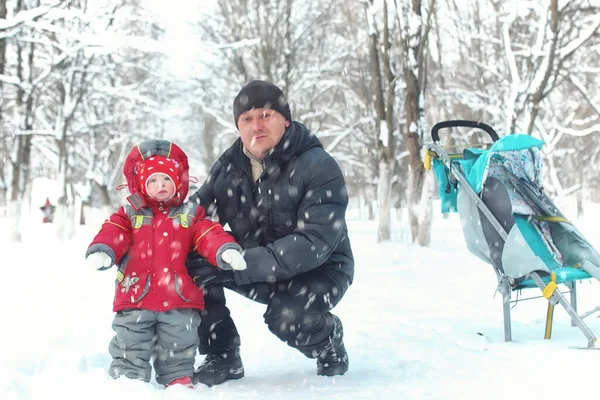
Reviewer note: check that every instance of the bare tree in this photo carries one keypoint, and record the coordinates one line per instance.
(520, 67)
(127, 97)
(384, 88)
(3, 138)
(70, 86)
(415, 33)
(20, 158)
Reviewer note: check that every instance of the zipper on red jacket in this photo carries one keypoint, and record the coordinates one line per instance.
(160, 206)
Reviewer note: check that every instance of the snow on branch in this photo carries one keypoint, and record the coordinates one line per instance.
(510, 56)
(23, 17)
(572, 46)
(579, 132)
(232, 45)
(348, 131)
(581, 88)
(11, 80)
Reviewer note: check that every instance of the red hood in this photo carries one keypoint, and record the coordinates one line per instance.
(145, 150)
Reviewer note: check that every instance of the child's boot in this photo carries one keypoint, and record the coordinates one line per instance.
(185, 381)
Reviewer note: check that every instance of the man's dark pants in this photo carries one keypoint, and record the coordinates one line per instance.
(297, 312)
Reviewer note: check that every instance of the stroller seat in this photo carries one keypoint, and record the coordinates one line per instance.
(510, 223)
(563, 275)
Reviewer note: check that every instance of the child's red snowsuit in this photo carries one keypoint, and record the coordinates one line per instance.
(150, 240)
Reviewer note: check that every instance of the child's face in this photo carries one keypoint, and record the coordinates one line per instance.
(160, 187)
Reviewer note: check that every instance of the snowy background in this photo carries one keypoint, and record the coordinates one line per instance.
(414, 320)
(420, 323)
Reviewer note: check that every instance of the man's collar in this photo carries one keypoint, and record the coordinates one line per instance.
(252, 156)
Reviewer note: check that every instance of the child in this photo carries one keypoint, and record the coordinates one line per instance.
(156, 300)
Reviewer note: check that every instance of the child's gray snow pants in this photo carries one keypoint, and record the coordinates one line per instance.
(170, 337)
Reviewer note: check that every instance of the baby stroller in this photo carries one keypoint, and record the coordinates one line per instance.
(510, 223)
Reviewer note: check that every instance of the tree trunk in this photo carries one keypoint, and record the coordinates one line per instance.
(380, 68)
(21, 157)
(548, 64)
(426, 212)
(415, 185)
(370, 205)
(64, 207)
(63, 202)
(580, 197)
(104, 194)
(384, 220)
(3, 155)
(414, 73)
(208, 139)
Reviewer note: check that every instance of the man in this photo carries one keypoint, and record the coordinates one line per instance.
(285, 200)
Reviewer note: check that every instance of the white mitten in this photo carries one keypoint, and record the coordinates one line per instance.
(234, 258)
(98, 260)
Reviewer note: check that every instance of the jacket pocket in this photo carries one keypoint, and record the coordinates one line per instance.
(132, 288)
(186, 288)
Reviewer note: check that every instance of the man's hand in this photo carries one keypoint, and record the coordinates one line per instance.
(209, 275)
(98, 261)
(234, 258)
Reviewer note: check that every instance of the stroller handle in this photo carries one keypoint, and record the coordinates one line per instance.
(462, 123)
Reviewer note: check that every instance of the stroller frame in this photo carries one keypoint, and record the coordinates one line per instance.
(550, 290)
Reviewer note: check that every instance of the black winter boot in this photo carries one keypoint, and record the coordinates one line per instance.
(219, 367)
(333, 360)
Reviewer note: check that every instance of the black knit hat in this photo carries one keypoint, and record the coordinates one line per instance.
(260, 94)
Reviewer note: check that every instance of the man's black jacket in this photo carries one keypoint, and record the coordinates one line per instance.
(292, 220)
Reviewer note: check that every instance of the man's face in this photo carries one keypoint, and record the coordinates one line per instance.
(261, 129)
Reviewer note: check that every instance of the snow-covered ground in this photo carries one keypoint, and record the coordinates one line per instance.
(420, 323)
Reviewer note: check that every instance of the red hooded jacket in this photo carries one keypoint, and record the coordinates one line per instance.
(150, 240)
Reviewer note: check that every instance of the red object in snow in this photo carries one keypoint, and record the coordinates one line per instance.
(48, 211)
